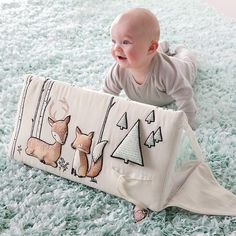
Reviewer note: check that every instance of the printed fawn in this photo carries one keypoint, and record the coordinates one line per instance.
(45, 152)
(49, 153)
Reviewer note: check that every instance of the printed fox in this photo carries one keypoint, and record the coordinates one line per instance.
(82, 144)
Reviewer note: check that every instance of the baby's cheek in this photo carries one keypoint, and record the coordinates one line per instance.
(112, 53)
(133, 55)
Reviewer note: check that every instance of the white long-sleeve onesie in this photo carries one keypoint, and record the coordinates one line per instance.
(169, 79)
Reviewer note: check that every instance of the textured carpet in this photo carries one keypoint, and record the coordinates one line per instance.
(69, 41)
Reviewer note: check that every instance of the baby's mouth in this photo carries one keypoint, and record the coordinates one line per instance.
(121, 58)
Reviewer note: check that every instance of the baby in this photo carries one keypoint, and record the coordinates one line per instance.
(145, 69)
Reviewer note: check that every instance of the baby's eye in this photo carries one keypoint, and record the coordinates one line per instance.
(126, 42)
(112, 43)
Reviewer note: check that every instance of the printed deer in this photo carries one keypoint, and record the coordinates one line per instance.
(49, 153)
(82, 144)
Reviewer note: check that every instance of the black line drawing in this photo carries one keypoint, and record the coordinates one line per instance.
(37, 108)
(21, 111)
(63, 165)
(19, 149)
(45, 102)
(123, 122)
(158, 135)
(129, 148)
(150, 141)
(151, 117)
(42, 103)
(153, 138)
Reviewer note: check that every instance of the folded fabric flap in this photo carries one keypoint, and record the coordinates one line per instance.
(133, 189)
(186, 159)
(201, 193)
(195, 146)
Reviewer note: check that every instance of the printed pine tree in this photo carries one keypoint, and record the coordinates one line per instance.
(130, 148)
(123, 123)
(150, 141)
(158, 135)
(153, 138)
(151, 117)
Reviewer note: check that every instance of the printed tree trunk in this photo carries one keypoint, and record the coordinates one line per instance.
(18, 124)
(97, 155)
(45, 101)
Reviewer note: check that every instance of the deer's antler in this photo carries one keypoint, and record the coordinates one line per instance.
(65, 108)
(52, 115)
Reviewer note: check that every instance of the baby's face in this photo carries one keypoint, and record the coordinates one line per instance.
(129, 43)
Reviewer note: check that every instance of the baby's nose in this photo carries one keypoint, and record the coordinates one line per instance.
(117, 47)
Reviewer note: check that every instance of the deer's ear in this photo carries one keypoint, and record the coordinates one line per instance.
(67, 119)
(50, 121)
(78, 131)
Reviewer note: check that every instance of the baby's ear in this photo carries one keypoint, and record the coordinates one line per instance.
(153, 47)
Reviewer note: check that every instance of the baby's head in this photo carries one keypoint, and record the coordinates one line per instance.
(135, 35)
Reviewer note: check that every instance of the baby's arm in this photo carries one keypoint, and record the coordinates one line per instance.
(112, 81)
(189, 107)
(181, 91)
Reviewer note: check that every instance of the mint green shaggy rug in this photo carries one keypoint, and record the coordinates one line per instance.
(68, 40)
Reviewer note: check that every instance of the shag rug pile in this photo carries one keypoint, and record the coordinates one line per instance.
(69, 41)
